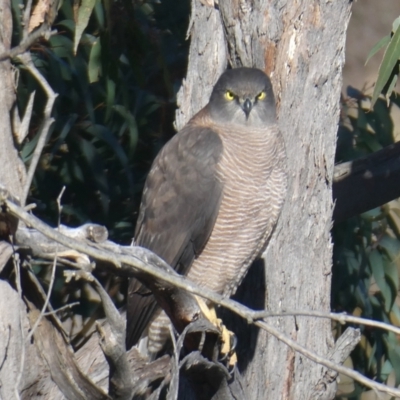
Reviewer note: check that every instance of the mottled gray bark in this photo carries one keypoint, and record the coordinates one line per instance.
(13, 321)
(300, 44)
(12, 171)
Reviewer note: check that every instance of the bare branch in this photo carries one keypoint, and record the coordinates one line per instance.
(43, 31)
(27, 16)
(366, 183)
(66, 307)
(327, 363)
(141, 262)
(340, 317)
(21, 128)
(45, 125)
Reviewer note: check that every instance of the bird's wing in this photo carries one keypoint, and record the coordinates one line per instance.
(180, 204)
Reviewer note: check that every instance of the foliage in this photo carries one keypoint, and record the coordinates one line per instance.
(116, 67)
(116, 70)
(367, 247)
(389, 68)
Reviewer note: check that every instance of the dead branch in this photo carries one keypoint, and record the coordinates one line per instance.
(26, 60)
(342, 318)
(143, 264)
(366, 183)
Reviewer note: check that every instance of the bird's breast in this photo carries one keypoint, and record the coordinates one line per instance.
(250, 170)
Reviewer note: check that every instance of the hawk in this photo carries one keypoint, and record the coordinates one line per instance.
(212, 197)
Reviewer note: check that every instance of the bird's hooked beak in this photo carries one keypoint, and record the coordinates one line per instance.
(246, 105)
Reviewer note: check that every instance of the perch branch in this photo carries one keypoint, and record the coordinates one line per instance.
(142, 261)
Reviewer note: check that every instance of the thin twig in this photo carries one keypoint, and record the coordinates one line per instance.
(52, 278)
(26, 60)
(135, 261)
(327, 363)
(340, 317)
(67, 306)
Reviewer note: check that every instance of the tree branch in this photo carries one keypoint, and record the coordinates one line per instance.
(340, 317)
(366, 183)
(45, 125)
(143, 263)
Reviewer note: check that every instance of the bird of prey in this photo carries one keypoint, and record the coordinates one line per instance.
(212, 197)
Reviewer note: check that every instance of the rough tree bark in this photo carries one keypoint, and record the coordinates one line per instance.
(12, 174)
(300, 44)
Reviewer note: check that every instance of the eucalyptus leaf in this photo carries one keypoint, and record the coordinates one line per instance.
(378, 272)
(390, 58)
(84, 13)
(94, 65)
(378, 46)
(394, 355)
(131, 123)
(395, 24)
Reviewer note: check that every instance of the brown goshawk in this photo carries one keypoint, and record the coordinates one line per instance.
(212, 197)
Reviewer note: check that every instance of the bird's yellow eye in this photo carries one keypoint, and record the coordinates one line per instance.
(261, 96)
(229, 95)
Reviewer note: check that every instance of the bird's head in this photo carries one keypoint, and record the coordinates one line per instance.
(243, 96)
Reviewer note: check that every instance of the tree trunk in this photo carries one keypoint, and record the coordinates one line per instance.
(300, 44)
(12, 171)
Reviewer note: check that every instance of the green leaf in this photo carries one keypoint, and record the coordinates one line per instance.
(84, 13)
(382, 43)
(370, 140)
(131, 122)
(372, 214)
(387, 368)
(391, 245)
(106, 135)
(67, 23)
(378, 271)
(395, 24)
(394, 355)
(110, 97)
(390, 88)
(392, 281)
(395, 315)
(98, 171)
(94, 66)
(99, 14)
(390, 58)
(61, 46)
(381, 123)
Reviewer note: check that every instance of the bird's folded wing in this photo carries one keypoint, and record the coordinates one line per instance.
(180, 204)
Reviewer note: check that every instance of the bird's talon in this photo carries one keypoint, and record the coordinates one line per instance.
(234, 342)
(229, 342)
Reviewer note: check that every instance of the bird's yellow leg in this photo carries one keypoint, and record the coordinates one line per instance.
(226, 335)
